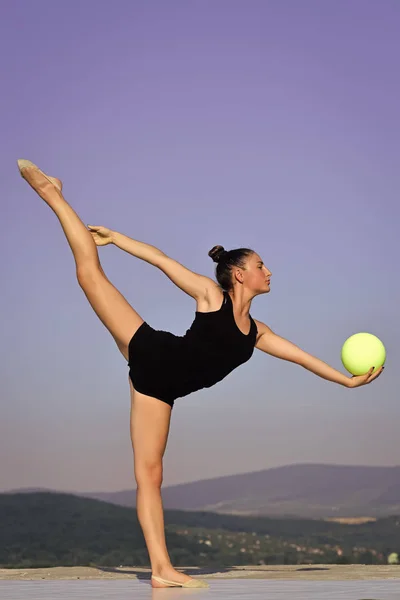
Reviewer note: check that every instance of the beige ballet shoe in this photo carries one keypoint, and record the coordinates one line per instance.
(193, 583)
(25, 164)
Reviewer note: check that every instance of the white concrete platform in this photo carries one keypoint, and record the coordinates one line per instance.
(223, 589)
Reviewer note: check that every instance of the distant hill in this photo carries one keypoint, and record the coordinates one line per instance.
(49, 529)
(304, 490)
(52, 529)
(312, 491)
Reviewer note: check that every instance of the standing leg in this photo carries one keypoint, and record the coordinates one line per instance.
(109, 304)
(150, 422)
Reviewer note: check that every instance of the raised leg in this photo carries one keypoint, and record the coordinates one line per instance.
(150, 422)
(109, 304)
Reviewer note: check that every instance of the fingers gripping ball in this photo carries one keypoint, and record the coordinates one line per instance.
(362, 351)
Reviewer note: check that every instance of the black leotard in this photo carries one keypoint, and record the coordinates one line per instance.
(167, 366)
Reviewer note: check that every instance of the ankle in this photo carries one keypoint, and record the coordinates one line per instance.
(161, 569)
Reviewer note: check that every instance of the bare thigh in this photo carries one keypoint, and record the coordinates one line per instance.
(113, 310)
(150, 422)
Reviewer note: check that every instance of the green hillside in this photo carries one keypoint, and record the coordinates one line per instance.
(52, 529)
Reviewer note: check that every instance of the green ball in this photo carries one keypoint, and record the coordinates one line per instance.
(362, 351)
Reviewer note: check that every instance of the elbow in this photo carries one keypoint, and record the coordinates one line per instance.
(158, 258)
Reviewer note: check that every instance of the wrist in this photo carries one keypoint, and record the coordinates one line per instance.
(114, 236)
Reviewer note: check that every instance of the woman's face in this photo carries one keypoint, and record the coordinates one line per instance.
(256, 276)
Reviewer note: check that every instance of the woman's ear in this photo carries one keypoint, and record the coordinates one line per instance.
(238, 274)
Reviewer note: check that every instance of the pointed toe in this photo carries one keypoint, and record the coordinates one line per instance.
(196, 583)
(23, 164)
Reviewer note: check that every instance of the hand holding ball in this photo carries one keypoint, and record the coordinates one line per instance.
(362, 351)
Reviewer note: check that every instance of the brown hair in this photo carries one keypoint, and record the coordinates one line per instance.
(226, 260)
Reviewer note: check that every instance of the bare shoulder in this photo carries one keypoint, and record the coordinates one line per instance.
(191, 283)
(212, 299)
(261, 328)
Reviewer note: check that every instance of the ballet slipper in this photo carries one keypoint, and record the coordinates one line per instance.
(27, 164)
(193, 583)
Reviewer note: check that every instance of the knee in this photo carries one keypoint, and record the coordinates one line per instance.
(87, 274)
(149, 474)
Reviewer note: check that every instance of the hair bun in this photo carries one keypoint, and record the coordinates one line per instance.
(216, 253)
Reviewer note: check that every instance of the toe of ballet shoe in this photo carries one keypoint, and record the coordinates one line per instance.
(23, 164)
(196, 583)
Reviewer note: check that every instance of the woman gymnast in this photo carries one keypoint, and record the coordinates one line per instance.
(163, 366)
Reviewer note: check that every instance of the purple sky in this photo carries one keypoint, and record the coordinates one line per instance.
(273, 125)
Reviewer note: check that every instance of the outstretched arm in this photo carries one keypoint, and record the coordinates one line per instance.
(193, 284)
(279, 347)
